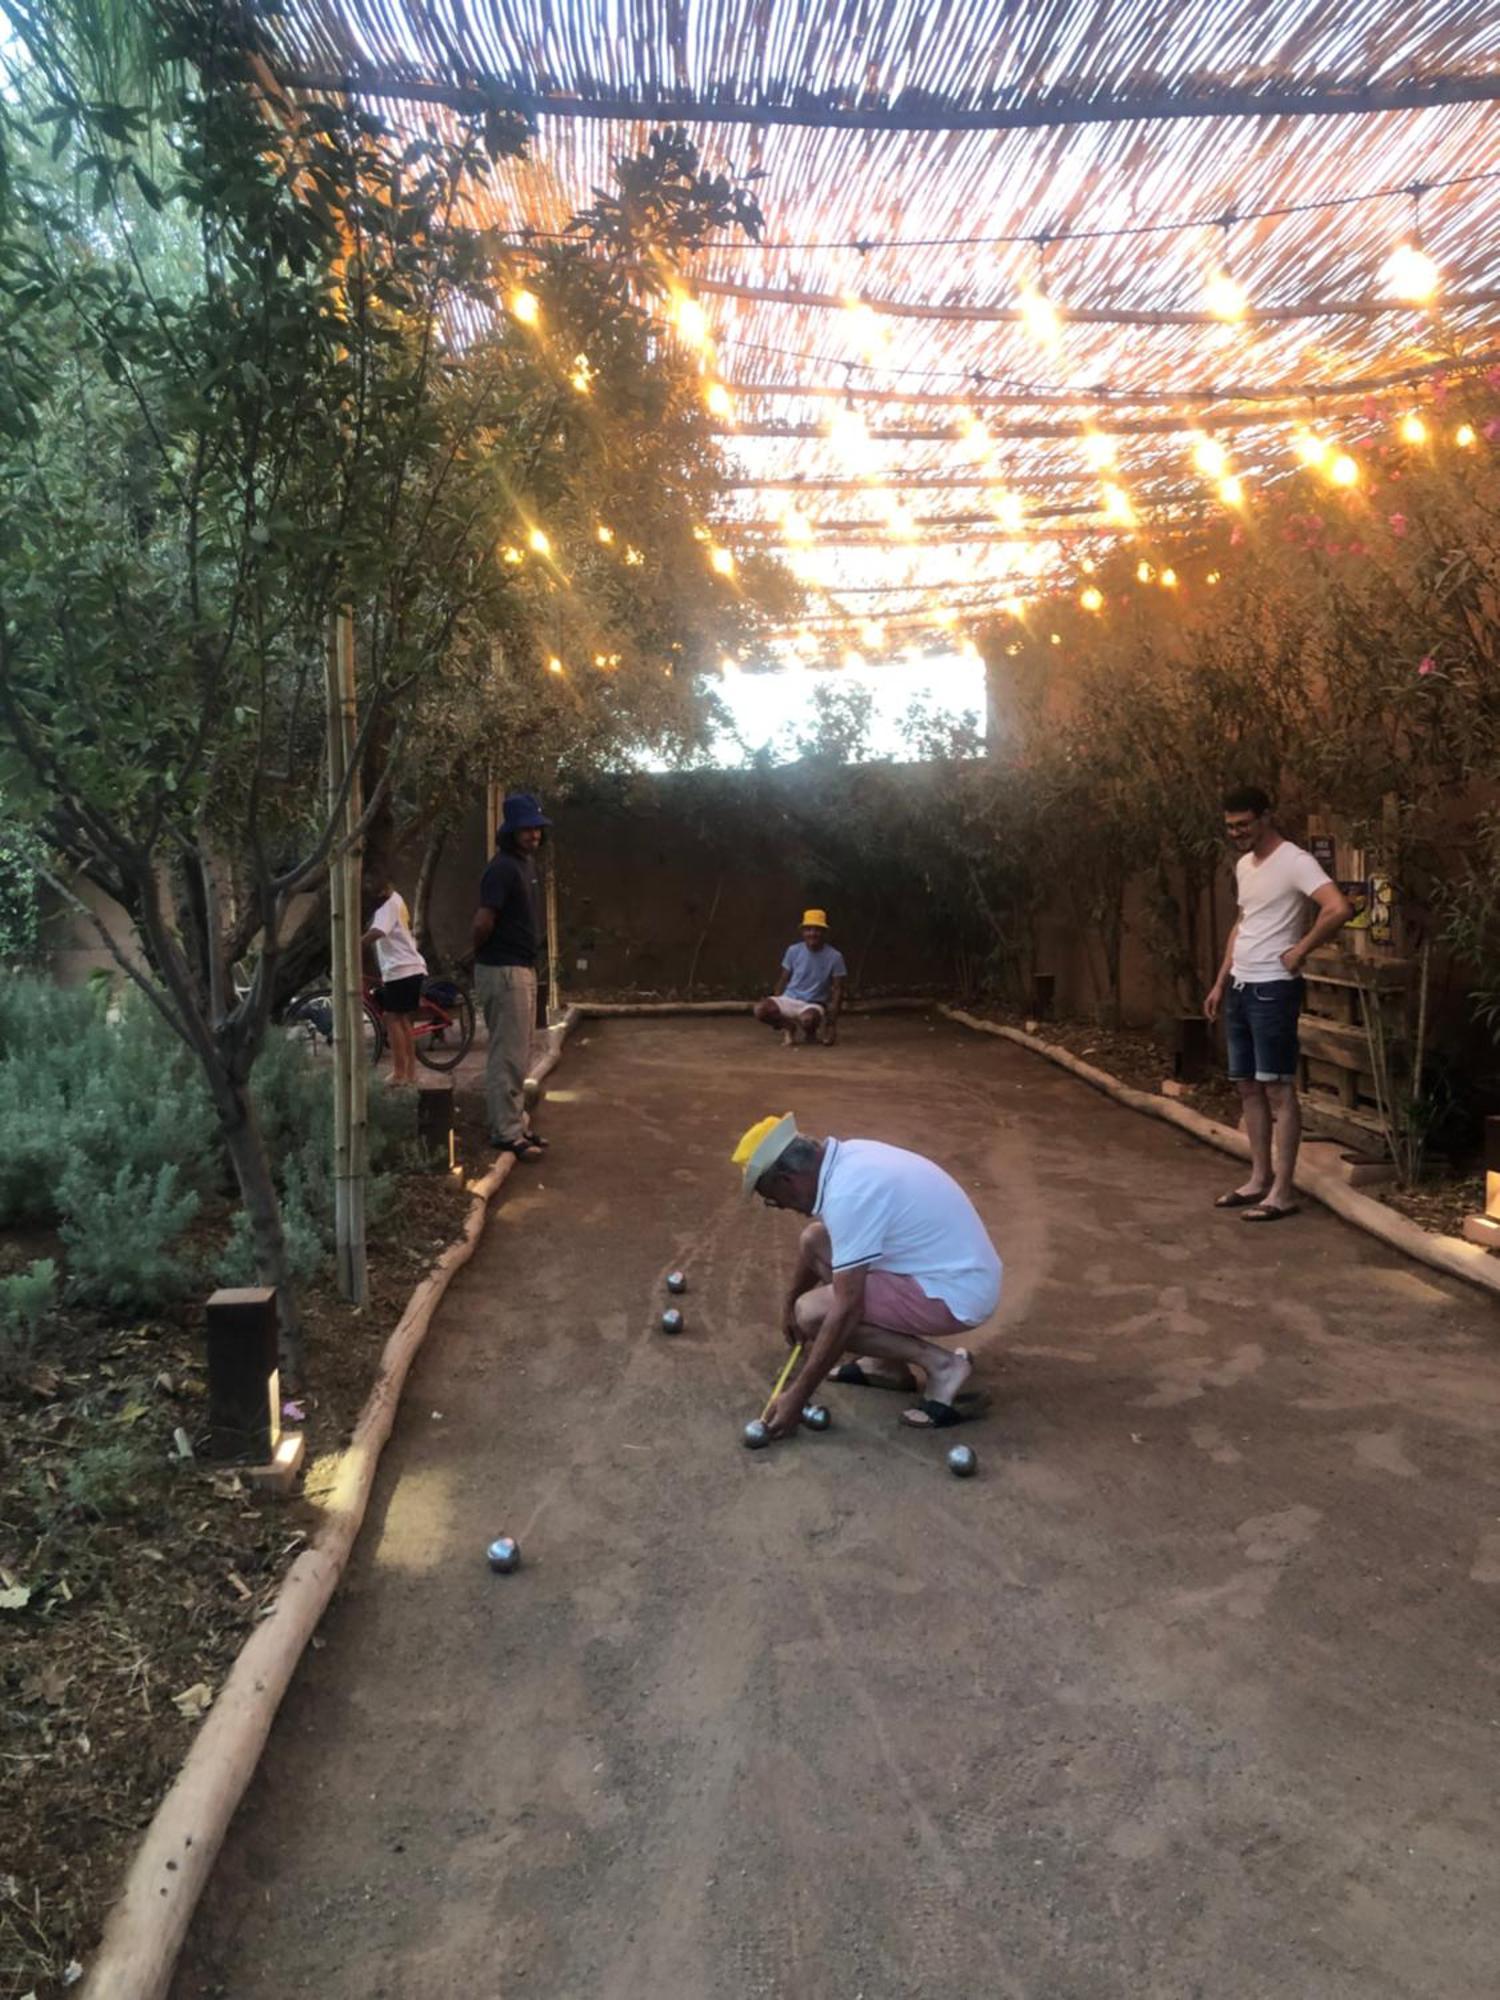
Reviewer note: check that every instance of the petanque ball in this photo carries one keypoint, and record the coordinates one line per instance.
(962, 1463)
(756, 1435)
(505, 1555)
(816, 1417)
(676, 1281)
(671, 1320)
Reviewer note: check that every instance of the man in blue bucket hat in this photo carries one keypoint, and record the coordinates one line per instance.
(507, 932)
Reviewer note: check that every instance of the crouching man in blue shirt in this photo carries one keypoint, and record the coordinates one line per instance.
(810, 990)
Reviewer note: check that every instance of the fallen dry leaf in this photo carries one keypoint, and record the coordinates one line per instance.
(15, 1599)
(192, 1702)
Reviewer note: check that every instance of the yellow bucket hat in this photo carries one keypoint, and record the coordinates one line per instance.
(762, 1146)
(817, 918)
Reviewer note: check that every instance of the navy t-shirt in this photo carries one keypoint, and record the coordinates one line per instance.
(508, 887)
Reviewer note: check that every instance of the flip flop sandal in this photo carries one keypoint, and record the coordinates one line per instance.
(1240, 1201)
(1264, 1212)
(930, 1415)
(524, 1148)
(851, 1373)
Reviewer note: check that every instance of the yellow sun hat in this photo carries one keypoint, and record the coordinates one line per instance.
(818, 919)
(762, 1146)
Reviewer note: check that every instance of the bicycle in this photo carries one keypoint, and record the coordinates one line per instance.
(442, 1027)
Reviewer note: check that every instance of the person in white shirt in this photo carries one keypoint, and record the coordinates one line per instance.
(1259, 992)
(402, 971)
(895, 1261)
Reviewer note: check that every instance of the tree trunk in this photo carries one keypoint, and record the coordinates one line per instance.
(421, 896)
(246, 1146)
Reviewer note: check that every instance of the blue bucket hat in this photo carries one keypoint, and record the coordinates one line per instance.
(522, 809)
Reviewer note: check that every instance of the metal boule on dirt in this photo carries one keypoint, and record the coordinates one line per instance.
(676, 1281)
(755, 1435)
(671, 1320)
(505, 1554)
(816, 1417)
(962, 1463)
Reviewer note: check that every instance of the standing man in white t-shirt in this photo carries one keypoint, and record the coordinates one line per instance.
(895, 1261)
(402, 973)
(1259, 990)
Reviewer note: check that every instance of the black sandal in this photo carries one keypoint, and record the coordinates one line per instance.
(939, 1416)
(524, 1148)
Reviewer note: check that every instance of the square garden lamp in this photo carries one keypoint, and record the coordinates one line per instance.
(244, 1380)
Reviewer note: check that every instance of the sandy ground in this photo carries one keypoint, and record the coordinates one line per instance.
(1195, 1690)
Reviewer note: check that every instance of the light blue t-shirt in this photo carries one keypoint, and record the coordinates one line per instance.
(812, 973)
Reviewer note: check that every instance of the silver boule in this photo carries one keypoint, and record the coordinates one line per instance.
(755, 1435)
(671, 1320)
(676, 1281)
(961, 1462)
(816, 1417)
(505, 1554)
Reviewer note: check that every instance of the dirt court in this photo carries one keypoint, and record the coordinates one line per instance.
(1194, 1691)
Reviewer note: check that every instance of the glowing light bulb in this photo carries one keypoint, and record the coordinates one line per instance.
(691, 321)
(723, 562)
(853, 660)
(1344, 470)
(526, 307)
(1055, 638)
(728, 665)
(796, 526)
(554, 665)
(1143, 571)
(1411, 274)
(1169, 579)
(538, 543)
(1099, 451)
(1009, 510)
(720, 402)
(850, 435)
(866, 329)
(700, 533)
(1466, 436)
(976, 433)
(1232, 490)
(1013, 606)
(512, 556)
(1117, 507)
(1225, 297)
(1413, 430)
(1212, 577)
(1040, 317)
(1092, 599)
(582, 377)
(871, 632)
(1088, 565)
(606, 535)
(633, 558)
(1210, 457)
(1313, 451)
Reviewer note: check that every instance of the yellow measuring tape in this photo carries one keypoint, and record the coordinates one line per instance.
(791, 1361)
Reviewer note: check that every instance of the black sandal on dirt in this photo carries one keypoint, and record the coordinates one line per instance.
(524, 1148)
(1265, 1211)
(1239, 1201)
(536, 1139)
(931, 1415)
(853, 1374)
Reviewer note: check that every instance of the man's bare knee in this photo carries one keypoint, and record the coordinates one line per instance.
(811, 1310)
(1248, 1087)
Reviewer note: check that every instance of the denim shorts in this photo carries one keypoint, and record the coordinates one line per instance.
(1260, 1026)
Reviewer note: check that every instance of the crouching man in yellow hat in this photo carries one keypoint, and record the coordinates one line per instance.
(895, 1261)
(810, 990)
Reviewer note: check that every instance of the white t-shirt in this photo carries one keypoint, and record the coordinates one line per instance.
(1273, 910)
(395, 948)
(894, 1211)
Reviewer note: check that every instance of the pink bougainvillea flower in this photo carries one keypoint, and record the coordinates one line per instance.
(1398, 524)
(1492, 429)
(1428, 665)
(1237, 535)
(1493, 378)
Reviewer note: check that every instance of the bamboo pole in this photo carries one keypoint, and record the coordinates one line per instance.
(554, 979)
(350, 1063)
(494, 805)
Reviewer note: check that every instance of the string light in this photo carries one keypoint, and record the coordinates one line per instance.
(722, 562)
(691, 321)
(512, 556)
(728, 666)
(1099, 452)
(866, 329)
(1143, 571)
(1312, 450)
(554, 665)
(1212, 577)
(1413, 430)
(1169, 579)
(1092, 599)
(700, 533)
(526, 307)
(1465, 436)
(1210, 457)
(1117, 506)
(582, 377)
(1232, 490)
(1225, 297)
(1009, 510)
(720, 402)
(538, 543)
(851, 436)
(605, 535)
(1410, 274)
(1041, 317)
(796, 526)
(633, 558)
(1055, 638)
(1344, 471)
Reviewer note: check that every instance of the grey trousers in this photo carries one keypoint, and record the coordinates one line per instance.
(507, 993)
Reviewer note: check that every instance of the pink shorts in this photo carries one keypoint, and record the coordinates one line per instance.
(899, 1304)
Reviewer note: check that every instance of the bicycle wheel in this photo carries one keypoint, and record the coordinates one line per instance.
(444, 1044)
(374, 1031)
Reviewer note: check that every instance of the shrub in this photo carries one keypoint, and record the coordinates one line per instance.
(20, 904)
(105, 1479)
(27, 1301)
(120, 1227)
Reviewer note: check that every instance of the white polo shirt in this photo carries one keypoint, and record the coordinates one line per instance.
(892, 1210)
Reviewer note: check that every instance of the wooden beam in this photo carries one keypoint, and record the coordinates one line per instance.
(1369, 308)
(914, 111)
